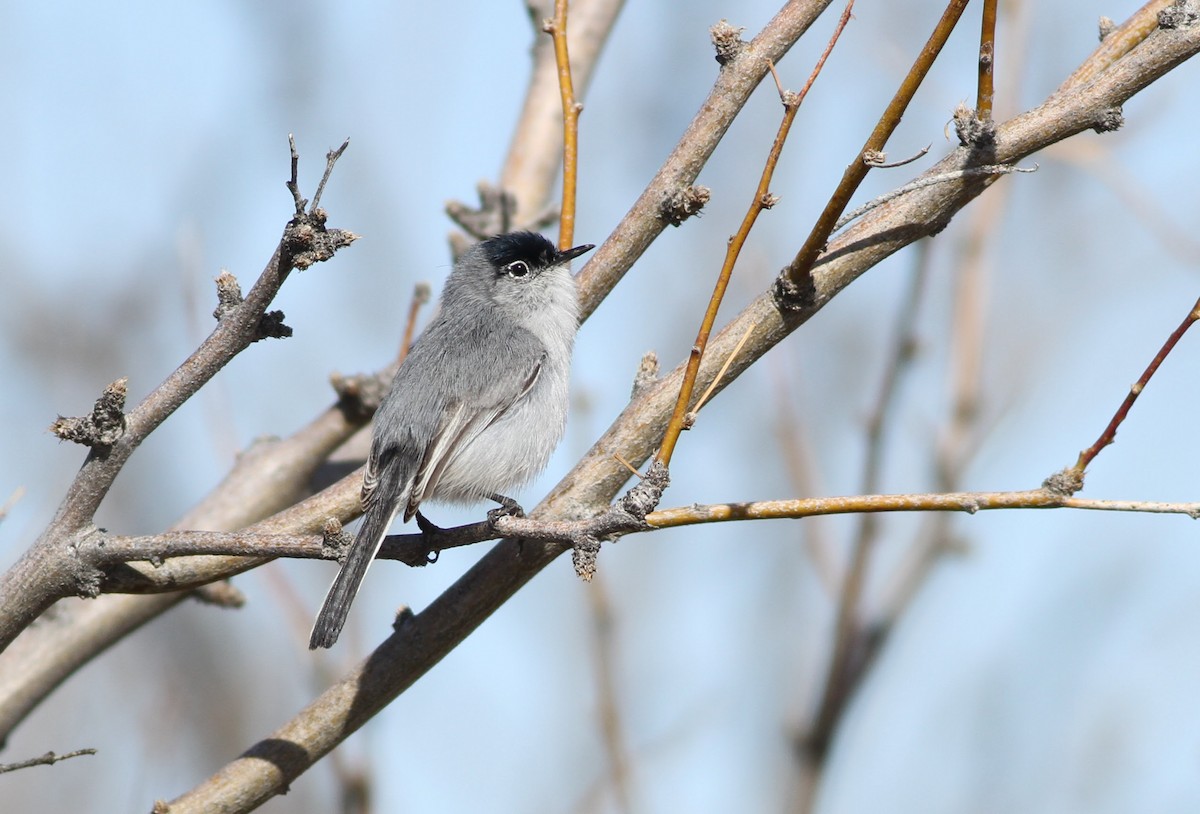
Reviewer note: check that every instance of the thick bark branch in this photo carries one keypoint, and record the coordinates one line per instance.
(421, 640)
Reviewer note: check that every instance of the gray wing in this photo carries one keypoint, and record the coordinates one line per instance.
(461, 377)
(458, 380)
(462, 422)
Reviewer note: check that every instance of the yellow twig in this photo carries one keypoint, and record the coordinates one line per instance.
(969, 502)
(704, 397)
(557, 28)
(763, 199)
(798, 271)
(987, 63)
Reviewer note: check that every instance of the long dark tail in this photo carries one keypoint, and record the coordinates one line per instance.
(370, 536)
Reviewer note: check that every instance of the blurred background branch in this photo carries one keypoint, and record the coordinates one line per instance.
(716, 670)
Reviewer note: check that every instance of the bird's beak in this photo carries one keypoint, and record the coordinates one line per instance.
(570, 254)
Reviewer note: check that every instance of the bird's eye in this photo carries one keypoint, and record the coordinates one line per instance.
(517, 268)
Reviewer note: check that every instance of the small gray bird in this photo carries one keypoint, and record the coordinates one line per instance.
(479, 403)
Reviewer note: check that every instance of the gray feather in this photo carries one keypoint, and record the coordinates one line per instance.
(382, 501)
(479, 403)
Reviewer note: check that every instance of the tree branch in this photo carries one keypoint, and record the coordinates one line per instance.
(534, 154)
(1110, 432)
(763, 199)
(655, 208)
(47, 570)
(48, 759)
(795, 280)
(556, 27)
(422, 639)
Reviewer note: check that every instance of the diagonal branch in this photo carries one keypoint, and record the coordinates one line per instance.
(763, 199)
(47, 570)
(796, 278)
(740, 73)
(422, 639)
(1110, 432)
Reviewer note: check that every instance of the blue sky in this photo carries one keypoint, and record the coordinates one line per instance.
(1051, 667)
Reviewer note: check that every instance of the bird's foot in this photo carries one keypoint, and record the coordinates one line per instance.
(428, 532)
(507, 508)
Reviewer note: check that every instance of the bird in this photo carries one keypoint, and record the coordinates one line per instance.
(478, 404)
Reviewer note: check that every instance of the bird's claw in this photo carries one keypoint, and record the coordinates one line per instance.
(507, 508)
(428, 530)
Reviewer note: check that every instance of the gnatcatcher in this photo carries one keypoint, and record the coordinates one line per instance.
(479, 403)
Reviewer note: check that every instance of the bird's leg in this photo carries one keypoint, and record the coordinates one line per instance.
(428, 530)
(507, 508)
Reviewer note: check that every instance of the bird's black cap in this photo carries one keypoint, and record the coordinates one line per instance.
(531, 247)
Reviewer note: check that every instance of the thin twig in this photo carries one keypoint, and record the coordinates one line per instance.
(880, 162)
(796, 274)
(843, 20)
(968, 502)
(253, 545)
(413, 548)
(987, 63)
(762, 200)
(557, 28)
(928, 181)
(712, 386)
(534, 157)
(420, 296)
(632, 469)
(47, 571)
(331, 158)
(293, 182)
(841, 678)
(1110, 432)
(735, 82)
(12, 501)
(609, 712)
(48, 759)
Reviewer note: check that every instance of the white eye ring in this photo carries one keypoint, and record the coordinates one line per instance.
(517, 268)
